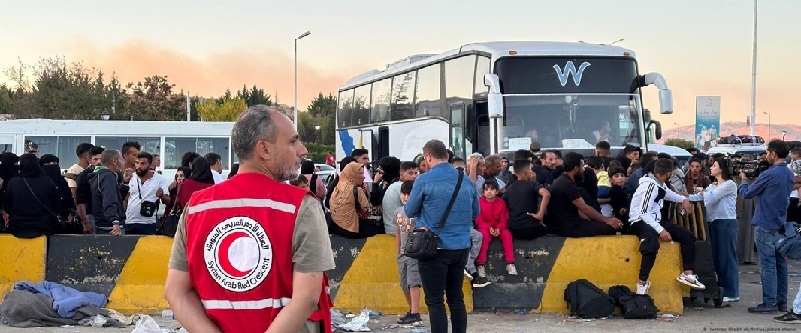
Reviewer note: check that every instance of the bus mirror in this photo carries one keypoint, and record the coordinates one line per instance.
(665, 101)
(494, 97)
(657, 129)
(646, 116)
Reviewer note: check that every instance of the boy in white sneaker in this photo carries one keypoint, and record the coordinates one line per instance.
(646, 223)
(410, 279)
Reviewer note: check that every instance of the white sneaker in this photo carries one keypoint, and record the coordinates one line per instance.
(642, 289)
(691, 280)
(467, 275)
(731, 299)
(481, 271)
(511, 269)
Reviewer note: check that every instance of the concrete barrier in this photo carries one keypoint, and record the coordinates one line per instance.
(367, 276)
(22, 260)
(546, 265)
(131, 270)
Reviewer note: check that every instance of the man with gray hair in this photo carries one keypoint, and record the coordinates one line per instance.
(251, 254)
(106, 198)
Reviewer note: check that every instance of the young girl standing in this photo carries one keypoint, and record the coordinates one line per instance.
(491, 222)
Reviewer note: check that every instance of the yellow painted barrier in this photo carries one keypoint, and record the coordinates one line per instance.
(614, 260)
(140, 286)
(22, 260)
(373, 282)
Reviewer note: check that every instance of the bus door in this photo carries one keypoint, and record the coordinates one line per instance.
(457, 113)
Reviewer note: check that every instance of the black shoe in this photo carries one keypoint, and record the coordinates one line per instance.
(782, 306)
(480, 282)
(411, 319)
(788, 318)
(762, 308)
(402, 318)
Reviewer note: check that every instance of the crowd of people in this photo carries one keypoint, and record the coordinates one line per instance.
(276, 196)
(106, 191)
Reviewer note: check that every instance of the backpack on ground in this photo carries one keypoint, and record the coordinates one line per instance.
(633, 306)
(585, 300)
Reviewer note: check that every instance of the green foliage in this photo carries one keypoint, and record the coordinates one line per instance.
(254, 96)
(322, 112)
(225, 108)
(152, 99)
(681, 143)
(5, 99)
(318, 151)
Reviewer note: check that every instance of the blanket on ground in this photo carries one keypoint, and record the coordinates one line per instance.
(66, 300)
(23, 308)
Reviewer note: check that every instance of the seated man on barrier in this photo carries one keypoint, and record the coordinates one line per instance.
(647, 224)
(568, 214)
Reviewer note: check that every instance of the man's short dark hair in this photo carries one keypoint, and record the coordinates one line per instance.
(146, 155)
(647, 157)
(213, 158)
(603, 145)
(96, 150)
(522, 165)
(155, 155)
(83, 148)
(663, 166)
(298, 181)
(779, 147)
(408, 165)
(595, 162)
(552, 151)
(630, 148)
(795, 151)
(692, 149)
(436, 149)
(406, 187)
(108, 156)
(572, 161)
(358, 152)
(492, 160)
(663, 155)
(188, 157)
(695, 160)
(535, 147)
(126, 147)
(522, 154)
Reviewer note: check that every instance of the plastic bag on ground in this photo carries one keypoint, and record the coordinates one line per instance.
(358, 323)
(147, 324)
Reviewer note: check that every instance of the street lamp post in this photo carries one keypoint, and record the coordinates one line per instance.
(105, 115)
(768, 114)
(677, 129)
(295, 108)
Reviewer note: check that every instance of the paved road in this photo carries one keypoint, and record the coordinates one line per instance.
(698, 318)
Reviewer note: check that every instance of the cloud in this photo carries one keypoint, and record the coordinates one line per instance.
(209, 76)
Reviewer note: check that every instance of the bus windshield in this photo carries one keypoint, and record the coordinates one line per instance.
(570, 121)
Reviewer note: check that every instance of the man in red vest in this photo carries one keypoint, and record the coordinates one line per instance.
(250, 253)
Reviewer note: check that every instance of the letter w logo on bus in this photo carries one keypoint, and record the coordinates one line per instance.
(570, 68)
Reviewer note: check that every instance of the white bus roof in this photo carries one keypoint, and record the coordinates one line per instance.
(501, 49)
(115, 127)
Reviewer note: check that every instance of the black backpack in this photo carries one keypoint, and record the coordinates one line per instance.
(633, 306)
(585, 300)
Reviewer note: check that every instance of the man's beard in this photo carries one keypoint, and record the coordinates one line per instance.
(141, 173)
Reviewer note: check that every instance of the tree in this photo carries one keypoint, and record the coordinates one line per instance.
(5, 99)
(226, 108)
(323, 109)
(152, 99)
(254, 96)
(681, 143)
(323, 105)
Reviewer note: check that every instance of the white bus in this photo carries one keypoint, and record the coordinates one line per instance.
(169, 139)
(498, 97)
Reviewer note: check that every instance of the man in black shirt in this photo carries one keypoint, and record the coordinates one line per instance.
(548, 171)
(568, 214)
(526, 211)
(83, 193)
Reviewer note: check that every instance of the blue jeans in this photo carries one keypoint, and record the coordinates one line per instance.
(723, 236)
(140, 229)
(444, 275)
(774, 267)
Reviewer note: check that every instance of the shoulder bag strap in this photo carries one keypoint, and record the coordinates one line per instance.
(37, 198)
(453, 199)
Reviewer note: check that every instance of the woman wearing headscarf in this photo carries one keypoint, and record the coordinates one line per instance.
(388, 172)
(31, 201)
(329, 189)
(315, 182)
(199, 179)
(350, 207)
(52, 170)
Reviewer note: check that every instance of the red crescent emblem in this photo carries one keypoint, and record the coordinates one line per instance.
(222, 255)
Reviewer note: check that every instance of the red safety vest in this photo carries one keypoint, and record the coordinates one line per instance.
(239, 251)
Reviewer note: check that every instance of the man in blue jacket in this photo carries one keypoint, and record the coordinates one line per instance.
(443, 274)
(106, 199)
(770, 215)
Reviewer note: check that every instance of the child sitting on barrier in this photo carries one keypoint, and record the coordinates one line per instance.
(596, 163)
(410, 280)
(491, 222)
(646, 222)
(617, 196)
